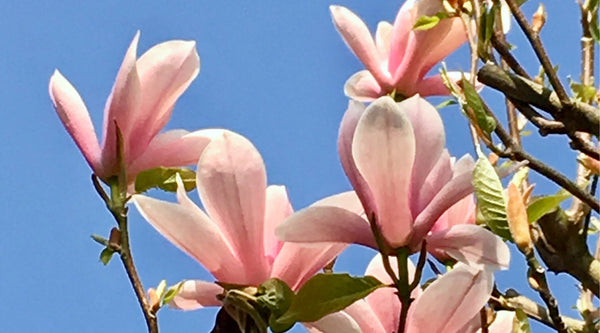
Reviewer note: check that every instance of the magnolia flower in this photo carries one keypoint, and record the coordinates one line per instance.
(399, 57)
(140, 104)
(450, 304)
(404, 180)
(234, 239)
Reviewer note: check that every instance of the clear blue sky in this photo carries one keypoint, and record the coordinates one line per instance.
(270, 70)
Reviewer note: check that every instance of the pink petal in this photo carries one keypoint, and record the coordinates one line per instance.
(188, 228)
(384, 301)
(196, 294)
(165, 72)
(457, 188)
(503, 322)
(122, 107)
(75, 117)
(346, 200)
(346, 135)
(358, 38)
(454, 298)
(472, 245)
(278, 209)
(318, 224)
(384, 150)
(335, 322)
(437, 178)
(382, 38)
(364, 315)
(462, 212)
(231, 181)
(173, 148)
(296, 263)
(402, 28)
(430, 139)
(363, 87)
(434, 85)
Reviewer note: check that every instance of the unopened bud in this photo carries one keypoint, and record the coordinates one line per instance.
(518, 223)
(591, 163)
(539, 18)
(153, 297)
(114, 240)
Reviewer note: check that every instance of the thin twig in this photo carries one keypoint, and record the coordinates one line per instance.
(539, 50)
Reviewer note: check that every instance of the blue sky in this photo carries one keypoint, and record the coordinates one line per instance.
(270, 70)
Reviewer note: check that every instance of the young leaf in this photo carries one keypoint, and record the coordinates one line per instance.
(486, 123)
(106, 255)
(490, 197)
(164, 179)
(171, 293)
(541, 206)
(429, 22)
(327, 293)
(521, 322)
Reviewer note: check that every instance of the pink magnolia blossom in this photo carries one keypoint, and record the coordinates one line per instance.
(394, 156)
(450, 304)
(235, 238)
(140, 104)
(399, 57)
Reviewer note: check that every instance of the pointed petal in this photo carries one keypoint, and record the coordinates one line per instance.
(317, 224)
(347, 200)
(165, 72)
(464, 291)
(430, 139)
(363, 87)
(231, 181)
(472, 245)
(186, 226)
(278, 209)
(122, 107)
(358, 38)
(196, 294)
(75, 117)
(346, 135)
(296, 263)
(335, 322)
(382, 38)
(434, 85)
(173, 148)
(402, 28)
(384, 150)
(457, 188)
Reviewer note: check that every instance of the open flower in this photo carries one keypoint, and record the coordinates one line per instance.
(140, 104)
(404, 181)
(234, 239)
(450, 304)
(399, 57)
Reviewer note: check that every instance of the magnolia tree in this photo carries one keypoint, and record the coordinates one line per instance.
(274, 267)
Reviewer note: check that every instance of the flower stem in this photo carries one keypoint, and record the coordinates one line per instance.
(403, 286)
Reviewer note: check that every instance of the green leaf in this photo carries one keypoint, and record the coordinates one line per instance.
(486, 30)
(582, 92)
(541, 206)
(171, 293)
(445, 103)
(521, 322)
(485, 122)
(164, 179)
(327, 293)
(106, 255)
(429, 22)
(490, 197)
(277, 296)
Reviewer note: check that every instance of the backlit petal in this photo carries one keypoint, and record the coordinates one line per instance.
(195, 294)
